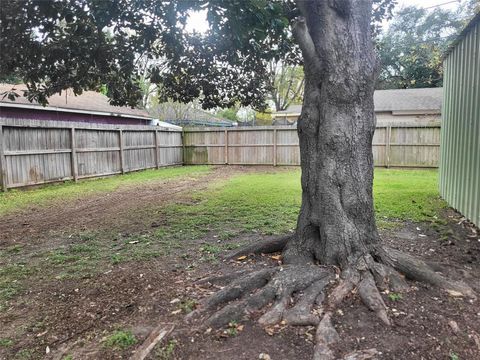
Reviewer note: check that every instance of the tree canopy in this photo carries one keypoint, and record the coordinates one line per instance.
(87, 44)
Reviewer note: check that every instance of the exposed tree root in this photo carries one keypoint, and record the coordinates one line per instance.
(361, 354)
(267, 246)
(238, 288)
(371, 297)
(294, 294)
(416, 269)
(325, 336)
(387, 278)
(301, 313)
(277, 285)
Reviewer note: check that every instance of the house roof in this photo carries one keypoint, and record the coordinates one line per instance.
(475, 20)
(412, 100)
(424, 99)
(90, 102)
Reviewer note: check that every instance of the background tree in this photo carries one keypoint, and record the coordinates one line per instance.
(230, 113)
(469, 8)
(228, 66)
(172, 110)
(286, 84)
(263, 118)
(412, 47)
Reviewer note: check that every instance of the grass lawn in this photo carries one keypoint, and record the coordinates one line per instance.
(18, 199)
(261, 203)
(268, 203)
(406, 194)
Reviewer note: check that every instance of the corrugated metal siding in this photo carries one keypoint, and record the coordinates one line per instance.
(460, 134)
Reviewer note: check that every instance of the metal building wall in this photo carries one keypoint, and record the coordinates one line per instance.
(460, 134)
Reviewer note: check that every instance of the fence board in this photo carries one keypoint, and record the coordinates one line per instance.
(403, 145)
(38, 152)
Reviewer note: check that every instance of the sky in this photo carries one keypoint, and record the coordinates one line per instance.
(427, 3)
(198, 22)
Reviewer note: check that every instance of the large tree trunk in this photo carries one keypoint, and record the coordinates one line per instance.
(336, 224)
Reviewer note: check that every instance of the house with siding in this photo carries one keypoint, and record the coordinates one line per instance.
(89, 107)
(397, 106)
(460, 134)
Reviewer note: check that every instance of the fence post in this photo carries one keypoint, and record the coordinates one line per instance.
(73, 158)
(226, 147)
(120, 142)
(3, 163)
(183, 147)
(387, 146)
(274, 147)
(157, 163)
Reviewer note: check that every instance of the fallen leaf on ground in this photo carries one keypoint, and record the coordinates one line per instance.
(454, 326)
(454, 293)
(240, 258)
(270, 331)
(276, 257)
(476, 338)
(176, 312)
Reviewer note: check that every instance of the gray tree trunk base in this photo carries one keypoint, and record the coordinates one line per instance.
(296, 294)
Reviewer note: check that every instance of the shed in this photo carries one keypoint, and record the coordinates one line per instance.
(460, 135)
(397, 106)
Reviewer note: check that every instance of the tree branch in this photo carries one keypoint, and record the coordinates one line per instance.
(304, 40)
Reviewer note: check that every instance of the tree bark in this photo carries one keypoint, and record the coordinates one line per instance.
(336, 224)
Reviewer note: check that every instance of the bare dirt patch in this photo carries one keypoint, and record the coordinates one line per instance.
(122, 209)
(76, 315)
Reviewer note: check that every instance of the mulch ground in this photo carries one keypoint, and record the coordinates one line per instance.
(54, 318)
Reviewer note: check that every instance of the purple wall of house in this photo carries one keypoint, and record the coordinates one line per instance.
(19, 113)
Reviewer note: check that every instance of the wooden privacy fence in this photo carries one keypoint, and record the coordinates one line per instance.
(38, 152)
(405, 145)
